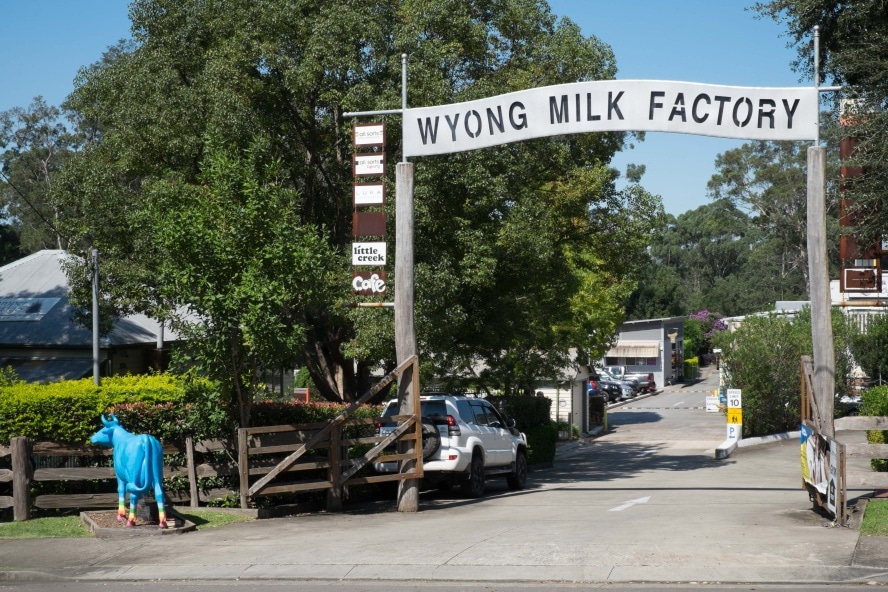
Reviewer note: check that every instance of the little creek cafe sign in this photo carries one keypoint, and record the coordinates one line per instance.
(750, 113)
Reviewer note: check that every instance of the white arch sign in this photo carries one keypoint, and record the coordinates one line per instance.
(751, 113)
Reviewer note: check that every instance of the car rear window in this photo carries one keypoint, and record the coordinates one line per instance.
(433, 409)
(428, 409)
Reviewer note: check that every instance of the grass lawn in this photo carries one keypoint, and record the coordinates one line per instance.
(875, 519)
(38, 528)
(71, 526)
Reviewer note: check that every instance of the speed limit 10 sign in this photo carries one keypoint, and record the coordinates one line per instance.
(735, 400)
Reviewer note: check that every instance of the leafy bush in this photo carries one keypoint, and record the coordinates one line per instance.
(541, 440)
(692, 367)
(763, 358)
(874, 402)
(528, 412)
(870, 348)
(532, 416)
(699, 331)
(8, 377)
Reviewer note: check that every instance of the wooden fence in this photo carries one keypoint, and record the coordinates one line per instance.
(30, 462)
(316, 452)
(319, 453)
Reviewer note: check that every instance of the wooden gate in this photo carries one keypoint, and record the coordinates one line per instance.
(319, 451)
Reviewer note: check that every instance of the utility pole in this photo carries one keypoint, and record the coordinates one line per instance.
(405, 332)
(95, 316)
(818, 268)
(821, 320)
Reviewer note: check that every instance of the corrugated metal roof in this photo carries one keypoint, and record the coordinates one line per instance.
(36, 276)
(37, 287)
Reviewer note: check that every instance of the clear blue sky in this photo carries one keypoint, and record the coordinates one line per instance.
(44, 42)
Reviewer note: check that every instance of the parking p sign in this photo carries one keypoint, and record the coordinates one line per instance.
(735, 414)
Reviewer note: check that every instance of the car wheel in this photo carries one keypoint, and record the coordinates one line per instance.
(431, 439)
(517, 479)
(474, 485)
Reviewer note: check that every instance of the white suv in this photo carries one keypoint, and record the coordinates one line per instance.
(465, 440)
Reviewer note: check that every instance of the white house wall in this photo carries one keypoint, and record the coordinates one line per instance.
(561, 408)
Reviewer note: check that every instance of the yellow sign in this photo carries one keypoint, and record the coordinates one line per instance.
(735, 416)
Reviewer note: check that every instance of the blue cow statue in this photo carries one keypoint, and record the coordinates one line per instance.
(138, 464)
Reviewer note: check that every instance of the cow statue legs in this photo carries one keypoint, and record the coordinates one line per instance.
(121, 502)
(134, 500)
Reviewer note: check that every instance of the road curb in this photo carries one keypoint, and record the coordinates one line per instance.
(728, 447)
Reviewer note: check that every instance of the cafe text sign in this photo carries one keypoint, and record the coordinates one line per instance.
(751, 113)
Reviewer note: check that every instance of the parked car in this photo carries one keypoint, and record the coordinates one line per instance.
(465, 441)
(631, 382)
(593, 388)
(848, 405)
(623, 390)
(609, 389)
(645, 379)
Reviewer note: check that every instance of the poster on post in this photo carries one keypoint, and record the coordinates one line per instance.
(819, 464)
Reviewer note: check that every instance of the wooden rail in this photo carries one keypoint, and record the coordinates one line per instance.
(858, 477)
(23, 474)
(317, 454)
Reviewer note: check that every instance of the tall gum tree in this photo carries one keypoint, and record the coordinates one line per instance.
(35, 143)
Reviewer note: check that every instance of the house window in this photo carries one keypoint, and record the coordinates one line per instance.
(641, 361)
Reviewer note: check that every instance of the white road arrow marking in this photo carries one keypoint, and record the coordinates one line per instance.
(630, 503)
(679, 403)
(648, 451)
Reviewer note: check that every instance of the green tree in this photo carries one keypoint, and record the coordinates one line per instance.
(658, 293)
(10, 249)
(692, 255)
(854, 55)
(505, 238)
(769, 180)
(236, 251)
(763, 358)
(692, 331)
(34, 145)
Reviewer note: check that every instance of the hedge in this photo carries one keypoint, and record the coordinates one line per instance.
(172, 407)
(68, 411)
(541, 442)
(167, 406)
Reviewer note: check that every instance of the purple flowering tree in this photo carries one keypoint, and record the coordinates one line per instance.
(699, 329)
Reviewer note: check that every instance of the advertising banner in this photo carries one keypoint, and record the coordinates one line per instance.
(818, 461)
